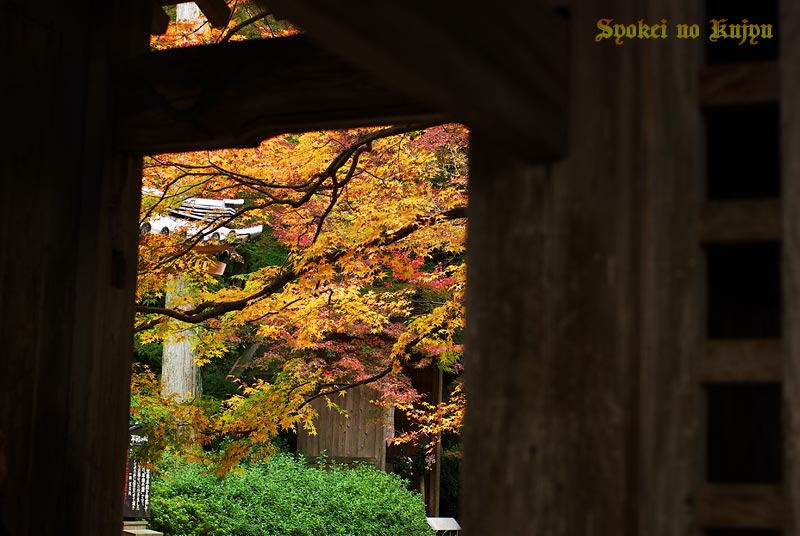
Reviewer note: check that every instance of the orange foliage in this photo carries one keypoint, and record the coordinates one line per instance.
(366, 229)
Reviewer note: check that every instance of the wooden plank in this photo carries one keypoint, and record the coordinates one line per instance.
(666, 454)
(742, 361)
(168, 101)
(739, 83)
(741, 506)
(740, 221)
(357, 436)
(508, 79)
(789, 47)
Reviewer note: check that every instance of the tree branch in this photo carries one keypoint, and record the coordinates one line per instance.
(353, 385)
(371, 379)
(309, 188)
(207, 310)
(234, 30)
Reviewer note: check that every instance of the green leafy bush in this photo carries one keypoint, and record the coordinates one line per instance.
(285, 497)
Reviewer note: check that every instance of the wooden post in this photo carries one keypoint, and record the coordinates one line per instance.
(523, 447)
(436, 474)
(70, 205)
(669, 294)
(551, 351)
(790, 193)
(584, 306)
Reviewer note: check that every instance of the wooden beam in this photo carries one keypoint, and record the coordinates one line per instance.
(741, 506)
(159, 21)
(237, 94)
(740, 221)
(741, 361)
(505, 76)
(739, 83)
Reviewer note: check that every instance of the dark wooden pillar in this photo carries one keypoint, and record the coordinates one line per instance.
(515, 472)
(68, 215)
(552, 317)
(583, 317)
(549, 320)
(790, 140)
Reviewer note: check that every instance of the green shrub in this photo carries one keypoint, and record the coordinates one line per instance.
(285, 497)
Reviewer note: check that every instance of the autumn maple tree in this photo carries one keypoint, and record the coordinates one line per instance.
(358, 275)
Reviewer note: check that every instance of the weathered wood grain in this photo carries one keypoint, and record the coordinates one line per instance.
(517, 483)
(553, 318)
(67, 302)
(358, 435)
(507, 79)
(589, 350)
(670, 415)
(237, 94)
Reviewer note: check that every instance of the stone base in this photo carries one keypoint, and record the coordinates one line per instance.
(138, 527)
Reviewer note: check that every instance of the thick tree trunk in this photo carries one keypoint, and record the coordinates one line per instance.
(187, 12)
(180, 376)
